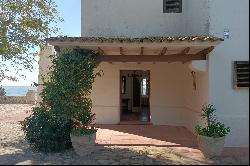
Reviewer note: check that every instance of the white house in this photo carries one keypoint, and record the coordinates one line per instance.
(164, 59)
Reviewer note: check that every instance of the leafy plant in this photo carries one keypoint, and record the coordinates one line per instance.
(214, 128)
(2, 91)
(70, 85)
(65, 101)
(47, 132)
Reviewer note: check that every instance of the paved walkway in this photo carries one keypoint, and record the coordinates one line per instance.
(157, 135)
(14, 150)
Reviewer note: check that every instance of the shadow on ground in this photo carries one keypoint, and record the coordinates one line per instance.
(20, 153)
(156, 135)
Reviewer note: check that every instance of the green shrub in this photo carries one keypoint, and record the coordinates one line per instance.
(83, 131)
(2, 91)
(66, 106)
(213, 128)
(70, 87)
(47, 132)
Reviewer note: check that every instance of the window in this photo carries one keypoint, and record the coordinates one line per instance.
(172, 6)
(123, 84)
(144, 87)
(241, 74)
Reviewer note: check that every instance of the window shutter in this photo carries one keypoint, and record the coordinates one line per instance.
(241, 74)
(172, 6)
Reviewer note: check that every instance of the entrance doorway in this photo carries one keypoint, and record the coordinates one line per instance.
(135, 95)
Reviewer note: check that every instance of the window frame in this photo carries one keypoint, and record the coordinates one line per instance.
(165, 10)
(235, 74)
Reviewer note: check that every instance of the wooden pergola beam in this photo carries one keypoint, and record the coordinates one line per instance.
(185, 50)
(100, 51)
(142, 51)
(163, 51)
(205, 51)
(122, 51)
(150, 58)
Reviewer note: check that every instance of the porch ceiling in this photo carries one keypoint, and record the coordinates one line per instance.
(182, 48)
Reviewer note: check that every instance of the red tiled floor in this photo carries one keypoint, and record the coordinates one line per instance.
(156, 135)
(178, 138)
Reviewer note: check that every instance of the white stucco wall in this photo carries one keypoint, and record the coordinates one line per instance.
(166, 92)
(196, 17)
(194, 99)
(44, 64)
(138, 18)
(232, 104)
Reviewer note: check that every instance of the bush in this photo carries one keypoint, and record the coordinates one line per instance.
(2, 91)
(214, 128)
(66, 106)
(70, 87)
(47, 132)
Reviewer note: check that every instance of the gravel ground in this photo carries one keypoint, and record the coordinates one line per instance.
(14, 150)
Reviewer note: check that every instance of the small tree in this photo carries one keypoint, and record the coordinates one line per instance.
(213, 128)
(2, 91)
(24, 24)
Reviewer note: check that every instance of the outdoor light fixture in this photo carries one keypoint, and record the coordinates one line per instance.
(194, 79)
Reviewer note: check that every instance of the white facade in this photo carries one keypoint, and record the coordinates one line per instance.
(232, 104)
(139, 18)
(173, 101)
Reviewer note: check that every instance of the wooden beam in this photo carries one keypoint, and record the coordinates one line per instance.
(163, 51)
(142, 51)
(100, 51)
(205, 51)
(121, 51)
(151, 58)
(185, 50)
(201, 56)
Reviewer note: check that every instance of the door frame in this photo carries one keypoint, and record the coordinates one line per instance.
(149, 92)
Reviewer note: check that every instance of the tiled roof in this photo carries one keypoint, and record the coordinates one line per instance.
(132, 40)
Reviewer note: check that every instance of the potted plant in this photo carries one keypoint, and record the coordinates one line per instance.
(83, 130)
(211, 138)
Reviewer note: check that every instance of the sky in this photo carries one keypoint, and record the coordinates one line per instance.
(70, 11)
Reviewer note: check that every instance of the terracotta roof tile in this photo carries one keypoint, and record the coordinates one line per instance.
(129, 40)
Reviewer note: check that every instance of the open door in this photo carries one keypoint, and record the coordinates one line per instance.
(134, 96)
(136, 92)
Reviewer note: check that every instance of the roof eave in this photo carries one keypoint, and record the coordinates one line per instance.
(135, 44)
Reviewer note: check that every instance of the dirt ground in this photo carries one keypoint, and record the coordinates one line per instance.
(14, 150)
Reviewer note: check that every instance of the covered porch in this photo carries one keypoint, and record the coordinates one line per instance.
(177, 89)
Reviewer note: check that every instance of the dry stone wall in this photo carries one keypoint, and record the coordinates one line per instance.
(29, 98)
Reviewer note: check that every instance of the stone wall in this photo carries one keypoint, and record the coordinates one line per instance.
(29, 98)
